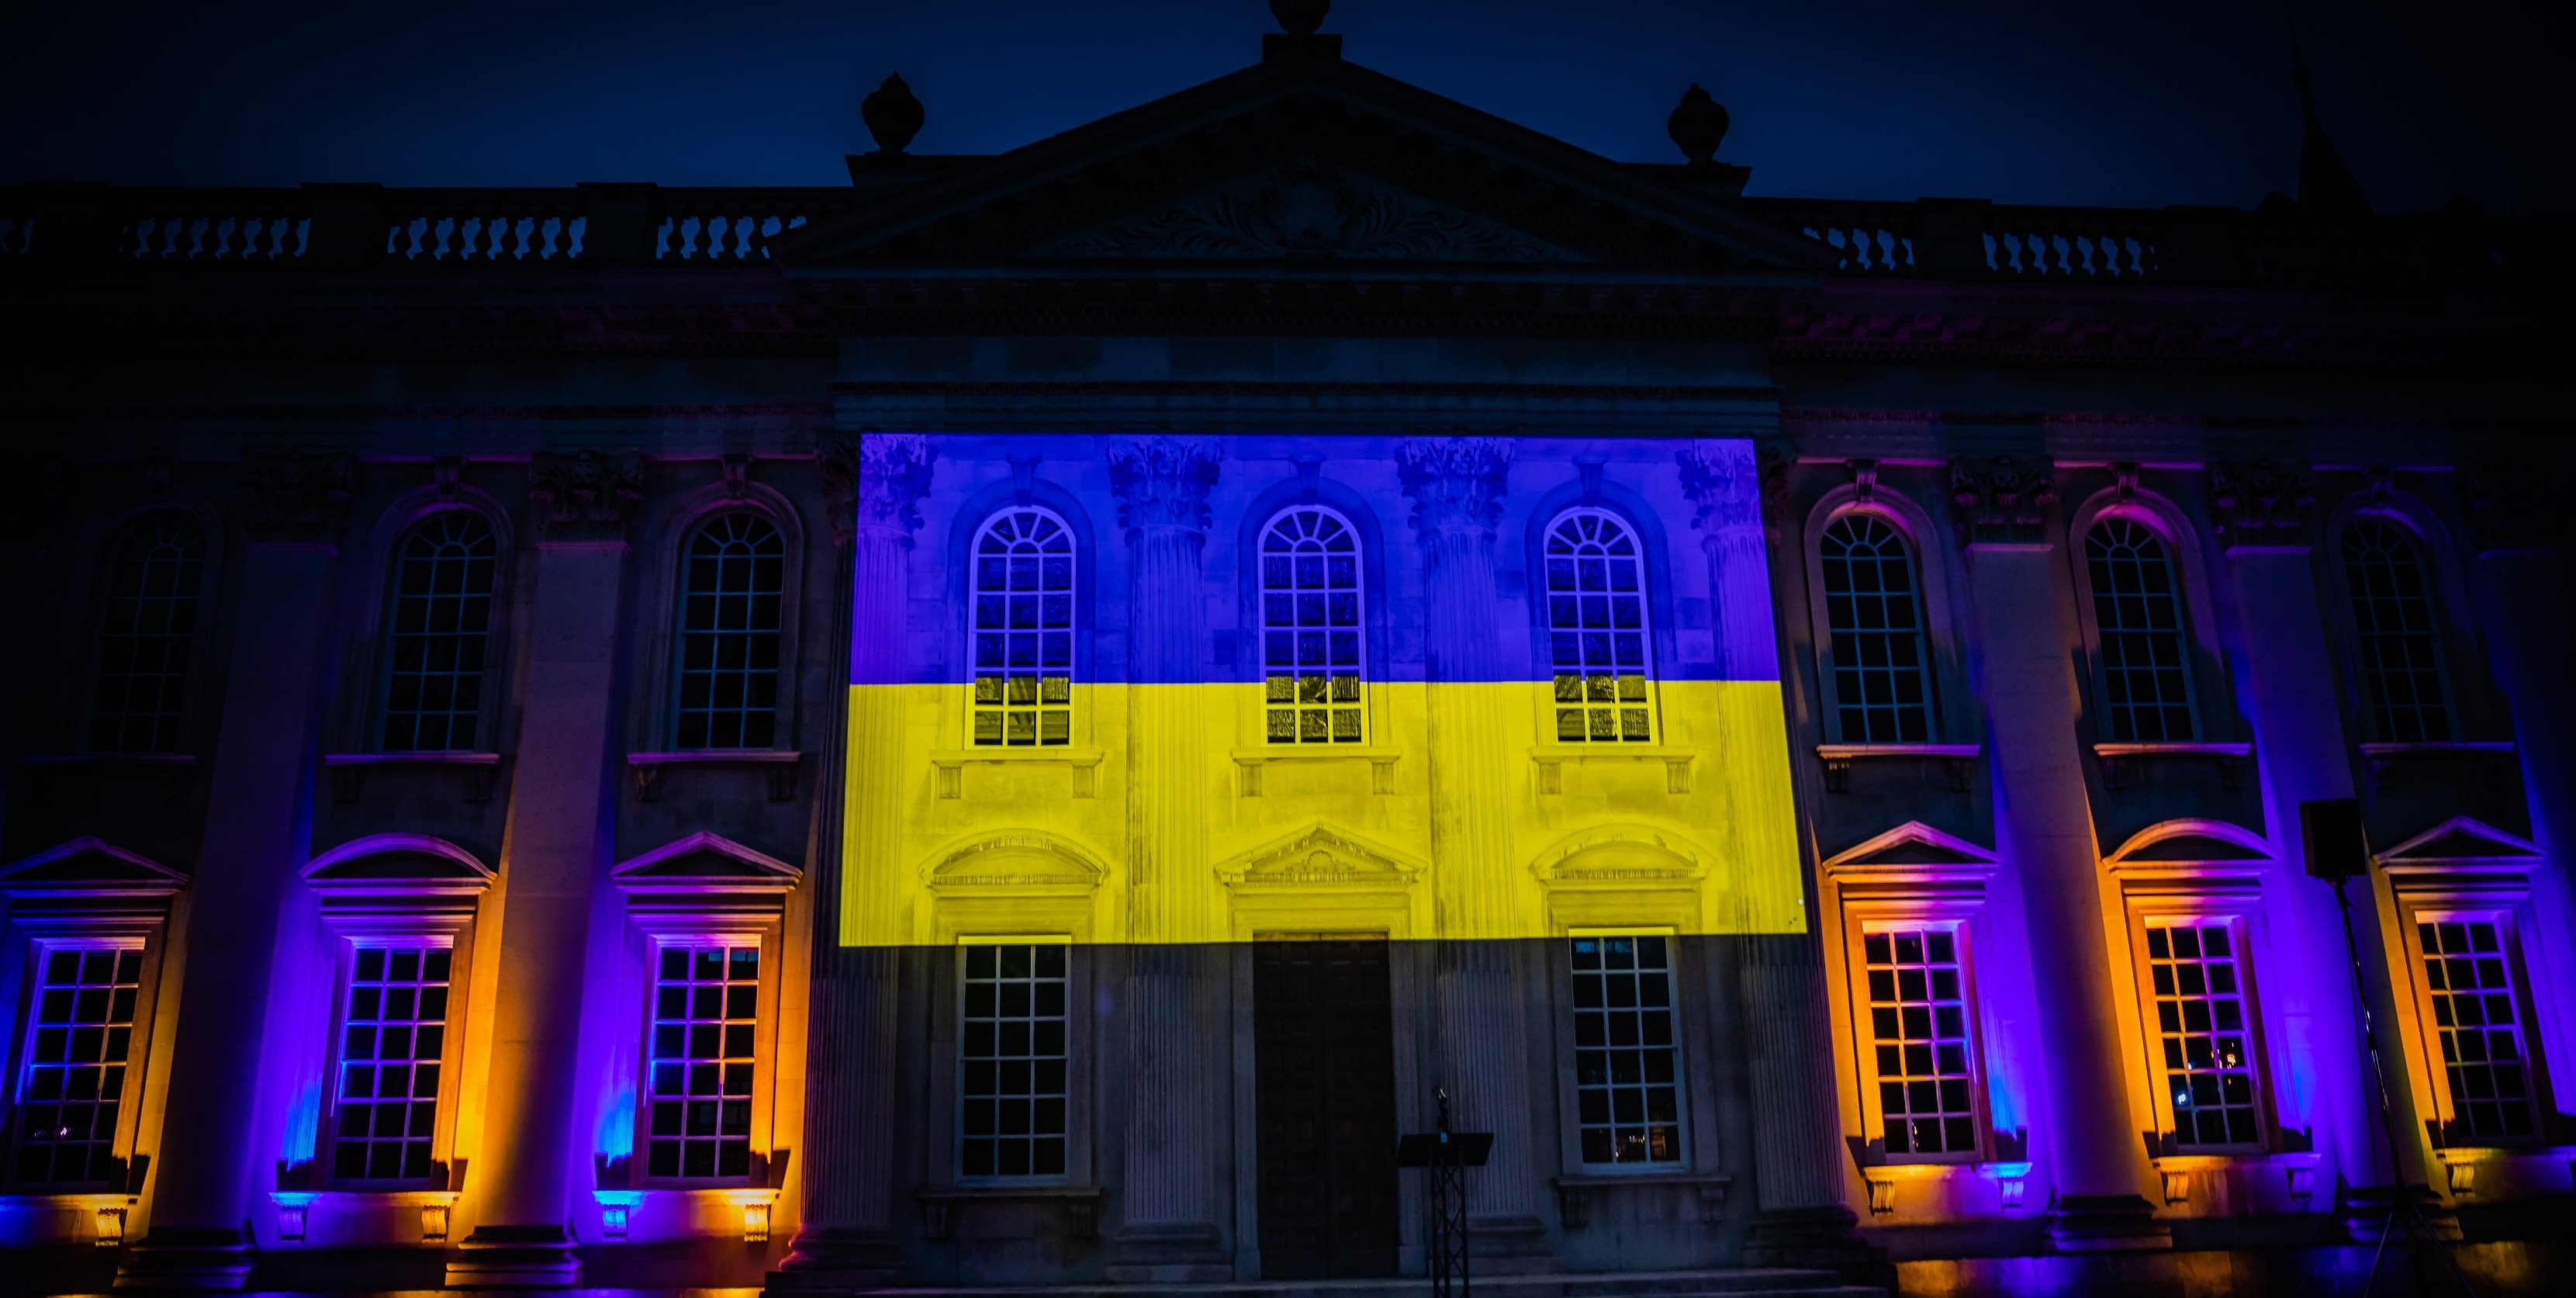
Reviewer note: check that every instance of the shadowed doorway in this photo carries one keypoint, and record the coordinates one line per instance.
(1324, 1082)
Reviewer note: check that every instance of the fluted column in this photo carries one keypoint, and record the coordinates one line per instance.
(2525, 606)
(1482, 983)
(555, 844)
(258, 832)
(2303, 755)
(846, 1236)
(2043, 815)
(1176, 1084)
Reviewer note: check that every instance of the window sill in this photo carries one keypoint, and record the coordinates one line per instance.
(1551, 760)
(349, 771)
(617, 1207)
(107, 1210)
(1084, 763)
(2386, 761)
(2461, 1165)
(295, 1207)
(1574, 1192)
(2298, 1168)
(2117, 759)
(781, 765)
(109, 759)
(1381, 760)
(1081, 1204)
(1838, 758)
(2010, 1176)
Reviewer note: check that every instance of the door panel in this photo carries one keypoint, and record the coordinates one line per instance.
(1324, 1085)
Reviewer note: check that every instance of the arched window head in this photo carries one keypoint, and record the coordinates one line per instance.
(2137, 612)
(2395, 631)
(1022, 571)
(441, 624)
(147, 635)
(1881, 682)
(1311, 657)
(733, 577)
(1596, 624)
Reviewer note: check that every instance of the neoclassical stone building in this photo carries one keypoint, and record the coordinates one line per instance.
(1016, 721)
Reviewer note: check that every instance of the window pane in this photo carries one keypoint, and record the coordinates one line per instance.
(1011, 1064)
(1627, 1102)
(394, 1014)
(1596, 616)
(2205, 1051)
(1023, 616)
(2137, 611)
(1311, 619)
(1919, 1017)
(732, 581)
(81, 1027)
(147, 630)
(706, 1018)
(2478, 1021)
(2395, 634)
(435, 636)
(1881, 695)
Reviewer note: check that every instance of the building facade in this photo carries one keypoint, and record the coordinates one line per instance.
(1018, 721)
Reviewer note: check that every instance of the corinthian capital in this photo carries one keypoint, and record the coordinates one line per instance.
(1725, 479)
(1162, 482)
(875, 481)
(1998, 500)
(302, 498)
(1456, 483)
(585, 496)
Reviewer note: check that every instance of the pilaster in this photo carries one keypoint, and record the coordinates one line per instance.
(258, 832)
(1178, 1100)
(554, 846)
(2044, 818)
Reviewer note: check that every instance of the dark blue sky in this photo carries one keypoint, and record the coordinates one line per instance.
(2059, 101)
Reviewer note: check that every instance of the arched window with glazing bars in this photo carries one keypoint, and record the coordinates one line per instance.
(147, 636)
(1021, 569)
(1312, 656)
(733, 581)
(1881, 677)
(1597, 629)
(438, 634)
(2138, 616)
(2397, 638)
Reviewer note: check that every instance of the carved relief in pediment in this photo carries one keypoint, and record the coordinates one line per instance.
(1307, 213)
(1017, 860)
(1320, 856)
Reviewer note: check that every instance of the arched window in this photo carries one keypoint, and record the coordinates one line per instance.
(442, 619)
(1596, 623)
(1881, 681)
(147, 630)
(732, 581)
(1311, 658)
(2395, 631)
(1023, 629)
(2137, 612)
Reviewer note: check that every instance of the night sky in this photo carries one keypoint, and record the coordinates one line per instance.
(2042, 101)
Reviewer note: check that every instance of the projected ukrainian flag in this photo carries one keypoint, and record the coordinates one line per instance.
(1195, 689)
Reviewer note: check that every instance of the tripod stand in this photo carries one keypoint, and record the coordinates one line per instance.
(2337, 824)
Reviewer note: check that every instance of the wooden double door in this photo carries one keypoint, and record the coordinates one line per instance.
(1323, 1042)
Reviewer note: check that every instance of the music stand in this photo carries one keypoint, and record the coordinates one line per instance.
(1444, 1156)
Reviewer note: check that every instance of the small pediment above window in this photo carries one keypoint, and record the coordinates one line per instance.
(706, 865)
(397, 865)
(88, 867)
(1912, 848)
(1621, 855)
(2196, 847)
(1320, 856)
(1023, 861)
(2462, 841)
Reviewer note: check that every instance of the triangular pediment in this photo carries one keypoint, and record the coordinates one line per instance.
(1912, 846)
(1297, 162)
(1321, 855)
(2462, 840)
(88, 866)
(705, 862)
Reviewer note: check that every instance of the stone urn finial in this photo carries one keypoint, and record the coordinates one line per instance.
(1697, 125)
(1299, 17)
(892, 115)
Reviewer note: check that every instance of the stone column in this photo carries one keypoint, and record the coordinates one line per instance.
(2044, 818)
(2301, 750)
(258, 833)
(555, 845)
(1801, 1218)
(1483, 983)
(1177, 1092)
(846, 1239)
(2525, 607)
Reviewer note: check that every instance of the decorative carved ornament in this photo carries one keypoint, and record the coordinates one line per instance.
(585, 496)
(1163, 482)
(1456, 483)
(1307, 211)
(2507, 511)
(301, 498)
(2261, 503)
(1725, 478)
(875, 482)
(1998, 500)
(1321, 856)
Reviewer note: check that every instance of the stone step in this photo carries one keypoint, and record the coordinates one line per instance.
(1762, 1281)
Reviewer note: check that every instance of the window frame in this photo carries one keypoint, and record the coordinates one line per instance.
(40, 943)
(2438, 903)
(494, 672)
(1076, 1028)
(2096, 636)
(782, 703)
(654, 721)
(1685, 1091)
(2205, 666)
(105, 553)
(759, 1137)
(347, 934)
(1360, 629)
(1928, 625)
(1076, 718)
(1956, 919)
(2203, 909)
(1648, 629)
(2468, 693)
